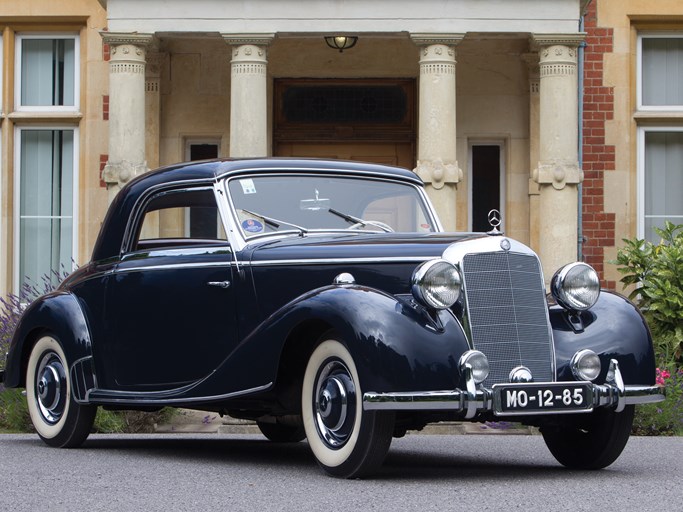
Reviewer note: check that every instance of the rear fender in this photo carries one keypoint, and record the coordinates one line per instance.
(60, 314)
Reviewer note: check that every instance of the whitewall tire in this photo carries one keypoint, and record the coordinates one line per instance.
(346, 441)
(57, 418)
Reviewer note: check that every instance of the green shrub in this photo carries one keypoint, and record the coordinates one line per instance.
(13, 411)
(654, 275)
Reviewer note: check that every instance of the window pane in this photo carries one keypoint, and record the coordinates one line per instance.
(662, 71)
(46, 203)
(663, 180)
(47, 72)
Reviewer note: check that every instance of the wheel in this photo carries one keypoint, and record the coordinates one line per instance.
(594, 443)
(279, 433)
(346, 441)
(57, 418)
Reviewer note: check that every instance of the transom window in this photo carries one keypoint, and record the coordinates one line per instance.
(660, 71)
(47, 72)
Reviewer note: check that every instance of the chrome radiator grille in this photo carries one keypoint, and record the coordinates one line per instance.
(507, 314)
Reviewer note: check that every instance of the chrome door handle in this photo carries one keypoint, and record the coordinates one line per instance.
(220, 284)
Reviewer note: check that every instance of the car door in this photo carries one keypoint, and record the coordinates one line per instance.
(170, 307)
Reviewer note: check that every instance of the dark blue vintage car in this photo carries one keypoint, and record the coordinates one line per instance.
(323, 300)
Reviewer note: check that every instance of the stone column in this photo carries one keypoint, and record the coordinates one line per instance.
(558, 174)
(534, 127)
(153, 107)
(437, 163)
(126, 109)
(248, 94)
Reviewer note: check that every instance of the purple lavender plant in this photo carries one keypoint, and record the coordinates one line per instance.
(13, 305)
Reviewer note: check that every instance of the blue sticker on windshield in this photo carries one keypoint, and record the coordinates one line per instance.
(252, 226)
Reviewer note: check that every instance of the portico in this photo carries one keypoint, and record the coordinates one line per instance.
(472, 67)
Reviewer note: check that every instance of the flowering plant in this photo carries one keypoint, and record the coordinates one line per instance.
(664, 417)
(662, 376)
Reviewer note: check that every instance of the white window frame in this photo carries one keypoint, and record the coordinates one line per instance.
(16, 279)
(2, 65)
(17, 74)
(639, 72)
(642, 130)
(470, 178)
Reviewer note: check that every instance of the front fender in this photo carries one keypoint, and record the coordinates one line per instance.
(396, 346)
(614, 329)
(60, 314)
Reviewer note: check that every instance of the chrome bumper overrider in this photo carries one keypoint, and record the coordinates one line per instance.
(475, 400)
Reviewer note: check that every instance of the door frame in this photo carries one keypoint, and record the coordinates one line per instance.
(502, 145)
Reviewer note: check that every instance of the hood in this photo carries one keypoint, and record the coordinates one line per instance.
(408, 247)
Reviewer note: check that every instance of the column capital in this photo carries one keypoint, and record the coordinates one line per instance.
(571, 40)
(424, 39)
(120, 38)
(248, 39)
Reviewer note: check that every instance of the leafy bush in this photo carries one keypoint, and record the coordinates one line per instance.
(14, 415)
(654, 274)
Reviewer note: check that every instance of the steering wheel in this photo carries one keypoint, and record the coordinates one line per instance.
(381, 225)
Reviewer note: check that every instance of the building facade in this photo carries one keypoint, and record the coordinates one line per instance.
(53, 79)
(480, 98)
(632, 125)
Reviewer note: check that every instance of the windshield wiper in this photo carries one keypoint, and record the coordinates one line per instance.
(276, 223)
(356, 221)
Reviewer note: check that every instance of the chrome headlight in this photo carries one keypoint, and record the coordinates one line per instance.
(478, 362)
(436, 284)
(586, 365)
(576, 286)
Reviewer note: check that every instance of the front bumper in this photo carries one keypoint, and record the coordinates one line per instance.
(475, 400)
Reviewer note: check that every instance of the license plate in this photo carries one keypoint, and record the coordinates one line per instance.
(542, 398)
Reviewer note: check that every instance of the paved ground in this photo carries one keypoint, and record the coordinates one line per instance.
(188, 472)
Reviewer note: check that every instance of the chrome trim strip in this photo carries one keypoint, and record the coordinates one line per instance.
(266, 263)
(335, 261)
(174, 266)
(140, 398)
(459, 400)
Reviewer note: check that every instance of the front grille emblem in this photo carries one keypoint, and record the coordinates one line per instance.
(505, 244)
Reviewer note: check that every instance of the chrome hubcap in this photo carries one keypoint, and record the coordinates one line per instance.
(51, 391)
(335, 404)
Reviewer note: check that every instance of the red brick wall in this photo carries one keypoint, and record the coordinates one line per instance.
(598, 157)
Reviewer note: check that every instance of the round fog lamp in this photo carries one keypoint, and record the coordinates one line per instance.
(436, 284)
(586, 365)
(576, 286)
(478, 362)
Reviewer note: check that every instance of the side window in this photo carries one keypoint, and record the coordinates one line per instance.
(180, 218)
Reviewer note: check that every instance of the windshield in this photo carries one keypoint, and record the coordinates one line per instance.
(268, 204)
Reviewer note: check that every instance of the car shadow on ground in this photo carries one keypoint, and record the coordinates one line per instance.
(402, 463)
